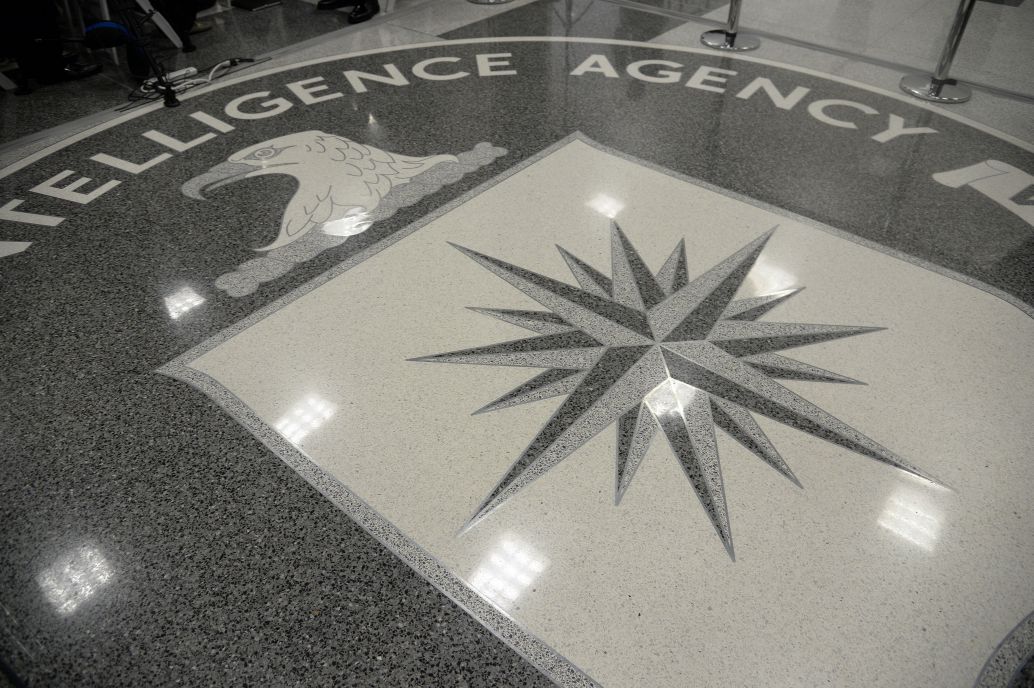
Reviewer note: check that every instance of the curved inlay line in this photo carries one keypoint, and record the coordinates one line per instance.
(1003, 667)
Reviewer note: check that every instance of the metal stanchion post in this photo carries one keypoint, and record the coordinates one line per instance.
(938, 87)
(728, 38)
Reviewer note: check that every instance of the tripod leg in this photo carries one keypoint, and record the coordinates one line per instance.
(138, 51)
(161, 22)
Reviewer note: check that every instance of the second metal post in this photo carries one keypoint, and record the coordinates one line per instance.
(939, 88)
(729, 38)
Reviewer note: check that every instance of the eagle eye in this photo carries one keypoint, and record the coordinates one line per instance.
(264, 153)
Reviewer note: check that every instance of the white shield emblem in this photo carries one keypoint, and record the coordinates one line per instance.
(840, 578)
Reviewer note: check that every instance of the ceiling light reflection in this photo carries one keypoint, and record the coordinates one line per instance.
(607, 206)
(73, 578)
(182, 301)
(306, 416)
(766, 277)
(507, 571)
(670, 397)
(355, 222)
(373, 127)
(911, 515)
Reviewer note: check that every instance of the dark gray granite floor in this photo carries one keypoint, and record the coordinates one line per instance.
(1025, 677)
(698, 7)
(226, 567)
(262, 582)
(586, 18)
(49, 106)
(234, 33)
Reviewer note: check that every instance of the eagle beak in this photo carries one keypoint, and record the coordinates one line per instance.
(221, 174)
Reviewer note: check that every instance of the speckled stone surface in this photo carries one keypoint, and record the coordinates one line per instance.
(1003, 113)
(1012, 663)
(225, 566)
(576, 18)
(228, 568)
(429, 478)
(697, 7)
(234, 33)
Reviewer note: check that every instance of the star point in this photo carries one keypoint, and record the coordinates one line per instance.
(659, 353)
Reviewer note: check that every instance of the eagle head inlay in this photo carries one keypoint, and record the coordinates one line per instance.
(340, 181)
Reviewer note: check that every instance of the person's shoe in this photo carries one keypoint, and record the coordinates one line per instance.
(334, 4)
(200, 26)
(364, 10)
(70, 72)
(74, 70)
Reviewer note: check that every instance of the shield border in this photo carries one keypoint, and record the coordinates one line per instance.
(536, 651)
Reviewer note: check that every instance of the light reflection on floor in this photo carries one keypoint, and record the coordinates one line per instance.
(182, 301)
(508, 571)
(73, 578)
(304, 417)
(912, 516)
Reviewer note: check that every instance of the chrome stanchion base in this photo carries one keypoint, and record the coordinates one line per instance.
(722, 40)
(489, 2)
(926, 87)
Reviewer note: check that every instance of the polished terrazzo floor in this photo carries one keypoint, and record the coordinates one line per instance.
(565, 351)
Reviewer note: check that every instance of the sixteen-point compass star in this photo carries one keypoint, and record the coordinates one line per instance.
(656, 351)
